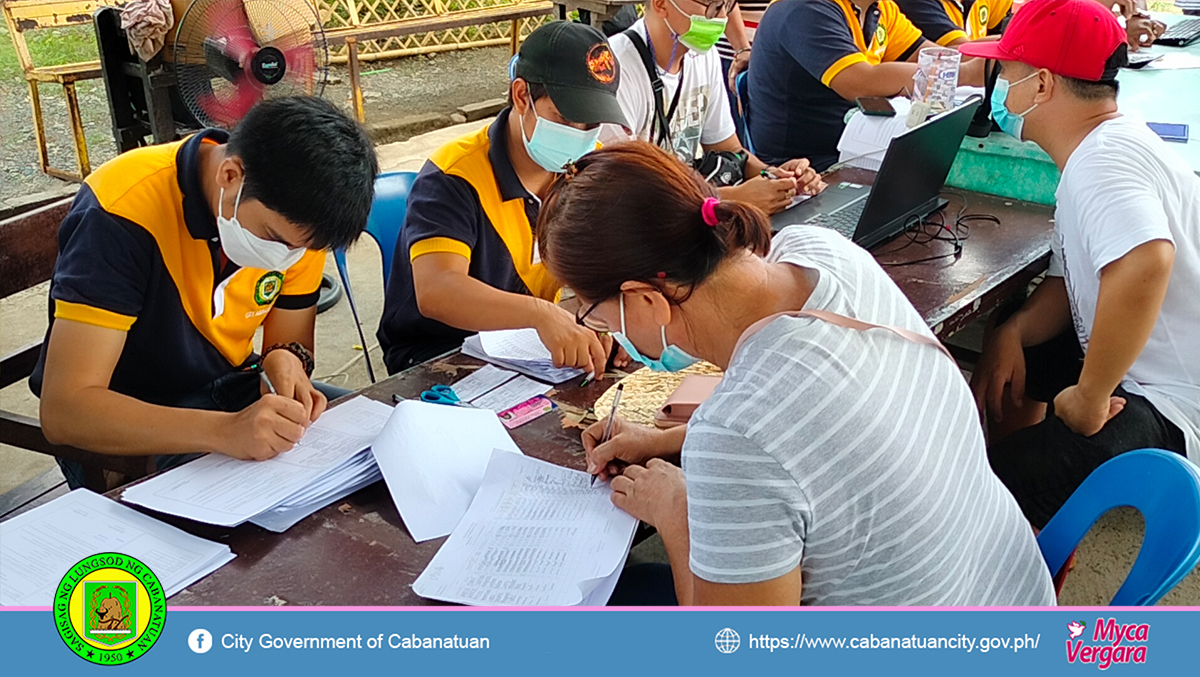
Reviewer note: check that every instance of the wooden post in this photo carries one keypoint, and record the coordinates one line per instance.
(356, 96)
(81, 152)
(516, 36)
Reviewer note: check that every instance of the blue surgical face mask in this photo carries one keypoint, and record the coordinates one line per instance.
(554, 146)
(672, 358)
(1009, 122)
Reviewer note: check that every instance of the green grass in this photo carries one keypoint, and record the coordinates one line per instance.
(48, 47)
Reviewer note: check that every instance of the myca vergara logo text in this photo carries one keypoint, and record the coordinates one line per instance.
(1111, 643)
(109, 609)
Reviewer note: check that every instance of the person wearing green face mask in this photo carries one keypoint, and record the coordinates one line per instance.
(691, 115)
(465, 260)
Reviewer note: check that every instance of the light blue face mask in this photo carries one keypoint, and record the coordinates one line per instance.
(554, 146)
(672, 358)
(1009, 122)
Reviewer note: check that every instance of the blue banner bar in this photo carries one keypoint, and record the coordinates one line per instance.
(1016, 643)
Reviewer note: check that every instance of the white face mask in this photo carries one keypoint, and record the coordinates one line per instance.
(247, 249)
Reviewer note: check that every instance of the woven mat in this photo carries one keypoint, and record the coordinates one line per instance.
(647, 391)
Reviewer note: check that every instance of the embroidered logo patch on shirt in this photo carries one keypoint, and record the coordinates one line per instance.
(268, 287)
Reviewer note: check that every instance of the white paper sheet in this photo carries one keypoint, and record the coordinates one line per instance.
(536, 534)
(520, 389)
(225, 491)
(866, 138)
(542, 369)
(515, 344)
(433, 458)
(38, 547)
(482, 381)
(1174, 61)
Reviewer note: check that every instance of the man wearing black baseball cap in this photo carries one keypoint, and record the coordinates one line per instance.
(467, 259)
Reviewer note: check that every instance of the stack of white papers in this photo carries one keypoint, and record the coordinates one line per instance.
(536, 534)
(39, 547)
(433, 458)
(331, 461)
(520, 350)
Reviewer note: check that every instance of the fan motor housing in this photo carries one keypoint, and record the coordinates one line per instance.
(269, 65)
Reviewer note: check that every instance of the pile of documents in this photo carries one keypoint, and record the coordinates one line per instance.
(330, 462)
(536, 534)
(39, 547)
(523, 532)
(519, 350)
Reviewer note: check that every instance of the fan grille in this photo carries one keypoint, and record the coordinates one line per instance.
(231, 54)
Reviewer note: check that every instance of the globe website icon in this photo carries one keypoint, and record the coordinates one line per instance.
(728, 641)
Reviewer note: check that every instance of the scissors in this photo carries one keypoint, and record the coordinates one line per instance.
(440, 394)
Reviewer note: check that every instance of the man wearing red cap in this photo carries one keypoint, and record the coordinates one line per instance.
(1124, 275)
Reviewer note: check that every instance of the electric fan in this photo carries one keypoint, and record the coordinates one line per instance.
(230, 54)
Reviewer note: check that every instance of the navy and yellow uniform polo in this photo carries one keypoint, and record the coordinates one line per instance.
(139, 252)
(467, 200)
(944, 21)
(800, 46)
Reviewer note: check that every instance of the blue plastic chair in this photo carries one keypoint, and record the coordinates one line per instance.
(383, 225)
(742, 84)
(1165, 488)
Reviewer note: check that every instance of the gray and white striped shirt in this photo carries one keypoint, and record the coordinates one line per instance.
(856, 455)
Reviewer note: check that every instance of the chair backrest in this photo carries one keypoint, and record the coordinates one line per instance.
(1165, 488)
(22, 16)
(742, 84)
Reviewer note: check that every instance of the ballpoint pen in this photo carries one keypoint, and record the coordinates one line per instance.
(612, 417)
(262, 375)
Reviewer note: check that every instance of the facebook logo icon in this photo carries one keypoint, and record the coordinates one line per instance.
(200, 641)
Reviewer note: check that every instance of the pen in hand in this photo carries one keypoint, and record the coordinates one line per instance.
(262, 376)
(612, 417)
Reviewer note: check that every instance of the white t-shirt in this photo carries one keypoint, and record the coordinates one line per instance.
(702, 115)
(1123, 187)
(855, 455)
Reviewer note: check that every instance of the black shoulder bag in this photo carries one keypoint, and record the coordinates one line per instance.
(719, 167)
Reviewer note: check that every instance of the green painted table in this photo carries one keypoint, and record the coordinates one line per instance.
(1166, 96)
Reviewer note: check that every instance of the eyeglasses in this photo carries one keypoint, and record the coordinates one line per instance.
(581, 319)
(711, 9)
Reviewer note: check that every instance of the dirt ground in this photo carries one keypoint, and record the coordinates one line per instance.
(391, 89)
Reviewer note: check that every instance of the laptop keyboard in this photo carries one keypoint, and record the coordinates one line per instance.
(844, 221)
(1181, 34)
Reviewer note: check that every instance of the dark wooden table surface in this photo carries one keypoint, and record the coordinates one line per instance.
(357, 552)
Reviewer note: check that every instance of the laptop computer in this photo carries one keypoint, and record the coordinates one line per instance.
(906, 189)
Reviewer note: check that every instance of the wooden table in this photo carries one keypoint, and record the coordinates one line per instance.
(998, 261)
(591, 12)
(357, 552)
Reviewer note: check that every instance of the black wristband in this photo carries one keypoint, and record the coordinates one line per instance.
(296, 349)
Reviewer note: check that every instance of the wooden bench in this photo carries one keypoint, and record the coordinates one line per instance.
(23, 16)
(28, 250)
(351, 36)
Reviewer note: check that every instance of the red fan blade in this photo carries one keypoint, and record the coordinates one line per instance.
(228, 110)
(301, 64)
(233, 25)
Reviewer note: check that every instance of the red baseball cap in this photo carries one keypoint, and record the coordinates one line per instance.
(1073, 38)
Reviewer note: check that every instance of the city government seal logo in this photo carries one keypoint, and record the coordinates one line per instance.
(109, 609)
(268, 287)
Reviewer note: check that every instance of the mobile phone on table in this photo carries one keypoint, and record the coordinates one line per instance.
(1170, 131)
(875, 105)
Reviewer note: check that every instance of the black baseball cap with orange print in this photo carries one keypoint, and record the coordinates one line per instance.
(578, 69)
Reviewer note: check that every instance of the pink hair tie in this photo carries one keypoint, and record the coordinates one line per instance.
(709, 211)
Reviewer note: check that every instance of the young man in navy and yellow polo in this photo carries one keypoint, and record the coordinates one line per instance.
(950, 22)
(467, 258)
(814, 58)
(171, 258)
